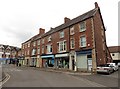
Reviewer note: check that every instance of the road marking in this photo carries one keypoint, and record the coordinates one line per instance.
(6, 79)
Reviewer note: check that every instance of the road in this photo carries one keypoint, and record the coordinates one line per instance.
(32, 77)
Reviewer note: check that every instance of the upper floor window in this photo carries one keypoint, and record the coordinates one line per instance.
(28, 52)
(61, 34)
(72, 30)
(33, 51)
(25, 45)
(38, 51)
(62, 46)
(43, 49)
(82, 26)
(22, 46)
(43, 41)
(38, 42)
(49, 38)
(28, 44)
(72, 43)
(34, 43)
(82, 41)
(49, 48)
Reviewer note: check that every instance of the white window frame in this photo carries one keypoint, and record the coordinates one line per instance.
(72, 30)
(81, 27)
(34, 43)
(62, 34)
(49, 48)
(62, 46)
(28, 44)
(28, 52)
(83, 42)
(38, 50)
(72, 42)
(43, 40)
(38, 42)
(42, 49)
(49, 38)
(33, 51)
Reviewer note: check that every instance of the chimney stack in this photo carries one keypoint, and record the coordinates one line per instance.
(66, 19)
(96, 5)
(41, 31)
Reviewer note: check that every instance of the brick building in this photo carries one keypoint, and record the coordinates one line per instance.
(78, 44)
(8, 52)
(115, 53)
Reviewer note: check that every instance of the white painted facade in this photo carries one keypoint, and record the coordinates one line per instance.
(115, 56)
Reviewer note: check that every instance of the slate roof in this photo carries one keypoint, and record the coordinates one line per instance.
(114, 49)
(80, 18)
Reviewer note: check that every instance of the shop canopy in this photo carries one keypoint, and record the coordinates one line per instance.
(47, 56)
(4, 58)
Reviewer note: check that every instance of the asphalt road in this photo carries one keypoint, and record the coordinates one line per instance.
(31, 77)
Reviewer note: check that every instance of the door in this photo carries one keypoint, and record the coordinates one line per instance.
(82, 61)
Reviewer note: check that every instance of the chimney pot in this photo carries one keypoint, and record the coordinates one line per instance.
(96, 5)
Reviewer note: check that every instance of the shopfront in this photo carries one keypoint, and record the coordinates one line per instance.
(33, 61)
(62, 61)
(47, 61)
(84, 60)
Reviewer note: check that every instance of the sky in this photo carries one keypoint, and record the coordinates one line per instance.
(21, 19)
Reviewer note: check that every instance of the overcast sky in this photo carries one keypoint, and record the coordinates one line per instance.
(21, 19)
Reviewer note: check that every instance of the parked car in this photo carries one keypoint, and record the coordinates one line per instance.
(105, 68)
(115, 67)
(118, 64)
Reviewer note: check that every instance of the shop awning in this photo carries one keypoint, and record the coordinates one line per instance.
(47, 56)
(4, 58)
(62, 55)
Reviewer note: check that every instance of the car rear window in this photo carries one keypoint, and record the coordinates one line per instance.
(105, 65)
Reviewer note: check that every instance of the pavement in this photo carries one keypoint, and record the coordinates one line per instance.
(65, 71)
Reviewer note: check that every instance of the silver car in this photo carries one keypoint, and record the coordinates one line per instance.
(105, 68)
